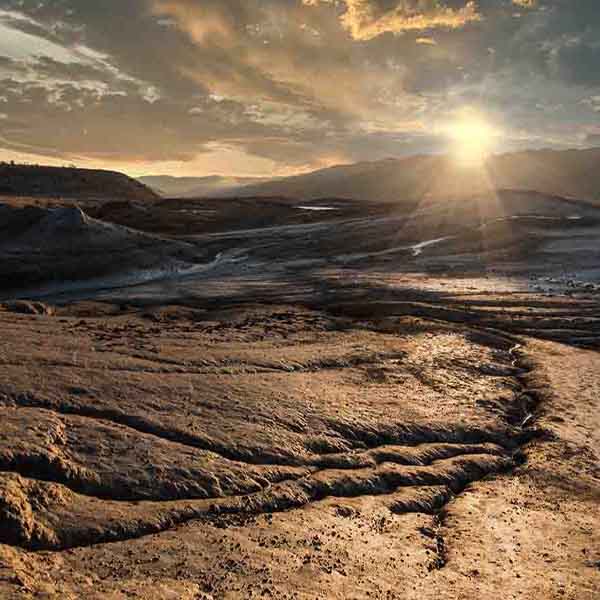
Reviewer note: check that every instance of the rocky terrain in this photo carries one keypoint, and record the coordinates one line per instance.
(279, 398)
(274, 249)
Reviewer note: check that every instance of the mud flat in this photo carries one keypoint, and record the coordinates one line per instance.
(287, 452)
(275, 422)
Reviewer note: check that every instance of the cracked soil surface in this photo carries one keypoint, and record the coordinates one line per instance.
(252, 401)
(279, 451)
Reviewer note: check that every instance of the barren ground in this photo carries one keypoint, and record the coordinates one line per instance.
(422, 427)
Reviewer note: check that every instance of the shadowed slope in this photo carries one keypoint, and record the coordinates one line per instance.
(408, 180)
(70, 182)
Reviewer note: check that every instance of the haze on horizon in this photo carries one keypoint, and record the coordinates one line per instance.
(276, 87)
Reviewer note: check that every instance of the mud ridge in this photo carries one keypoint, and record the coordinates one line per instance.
(26, 506)
(456, 457)
(85, 482)
(534, 391)
(417, 455)
(403, 434)
(52, 466)
(357, 435)
(586, 334)
(430, 501)
(142, 425)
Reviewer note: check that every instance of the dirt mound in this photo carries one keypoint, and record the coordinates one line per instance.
(65, 247)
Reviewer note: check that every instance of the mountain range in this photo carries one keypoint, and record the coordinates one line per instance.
(569, 173)
(196, 187)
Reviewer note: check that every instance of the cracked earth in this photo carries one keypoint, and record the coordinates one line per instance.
(239, 400)
(279, 451)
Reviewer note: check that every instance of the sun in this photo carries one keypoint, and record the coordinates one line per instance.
(472, 137)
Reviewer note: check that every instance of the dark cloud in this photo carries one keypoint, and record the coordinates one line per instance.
(298, 82)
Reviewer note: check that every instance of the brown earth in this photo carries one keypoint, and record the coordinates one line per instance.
(278, 451)
(325, 411)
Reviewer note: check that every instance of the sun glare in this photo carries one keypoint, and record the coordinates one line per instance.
(472, 139)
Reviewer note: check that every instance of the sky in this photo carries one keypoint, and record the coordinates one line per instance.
(277, 87)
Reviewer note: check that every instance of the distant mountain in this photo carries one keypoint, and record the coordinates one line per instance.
(570, 173)
(70, 183)
(196, 187)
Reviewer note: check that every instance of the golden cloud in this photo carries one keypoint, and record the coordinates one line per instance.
(526, 3)
(367, 19)
(426, 41)
(204, 22)
(286, 67)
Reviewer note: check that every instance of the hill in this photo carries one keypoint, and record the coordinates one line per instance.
(196, 187)
(69, 182)
(55, 249)
(571, 173)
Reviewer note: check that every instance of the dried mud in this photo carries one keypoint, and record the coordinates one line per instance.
(269, 450)
(359, 428)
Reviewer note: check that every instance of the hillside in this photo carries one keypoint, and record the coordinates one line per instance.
(69, 182)
(196, 187)
(571, 173)
(51, 249)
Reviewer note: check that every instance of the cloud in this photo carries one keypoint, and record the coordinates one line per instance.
(211, 21)
(282, 55)
(593, 139)
(593, 102)
(367, 19)
(287, 84)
